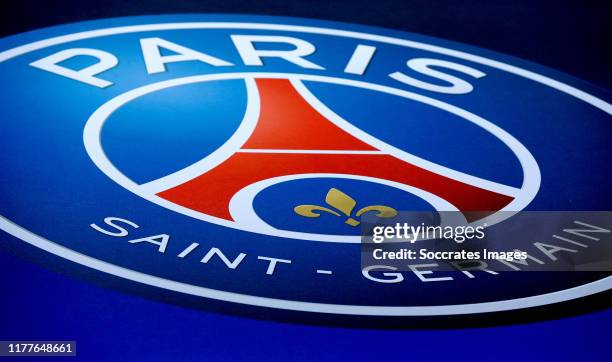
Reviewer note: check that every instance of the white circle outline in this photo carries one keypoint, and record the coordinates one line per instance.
(241, 204)
(526, 302)
(95, 123)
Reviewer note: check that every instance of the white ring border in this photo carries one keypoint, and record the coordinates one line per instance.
(93, 145)
(539, 300)
(241, 204)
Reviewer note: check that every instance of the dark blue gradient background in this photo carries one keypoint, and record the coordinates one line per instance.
(37, 304)
(111, 326)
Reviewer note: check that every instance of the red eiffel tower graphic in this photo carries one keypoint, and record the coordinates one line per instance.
(292, 138)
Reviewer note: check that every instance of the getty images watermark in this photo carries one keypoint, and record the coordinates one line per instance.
(488, 242)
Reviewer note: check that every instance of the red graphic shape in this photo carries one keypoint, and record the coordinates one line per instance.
(288, 122)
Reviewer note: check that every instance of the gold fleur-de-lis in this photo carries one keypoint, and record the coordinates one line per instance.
(345, 204)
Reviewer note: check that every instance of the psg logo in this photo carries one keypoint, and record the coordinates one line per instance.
(231, 159)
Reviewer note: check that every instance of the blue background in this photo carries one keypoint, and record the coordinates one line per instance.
(111, 326)
(40, 304)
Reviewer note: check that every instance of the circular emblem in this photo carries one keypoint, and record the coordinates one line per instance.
(229, 159)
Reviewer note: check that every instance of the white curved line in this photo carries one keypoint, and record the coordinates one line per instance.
(241, 205)
(295, 305)
(26, 48)
(510, 141)
(531, 171)
(93, 129)
(538, 300)
(240, 136)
